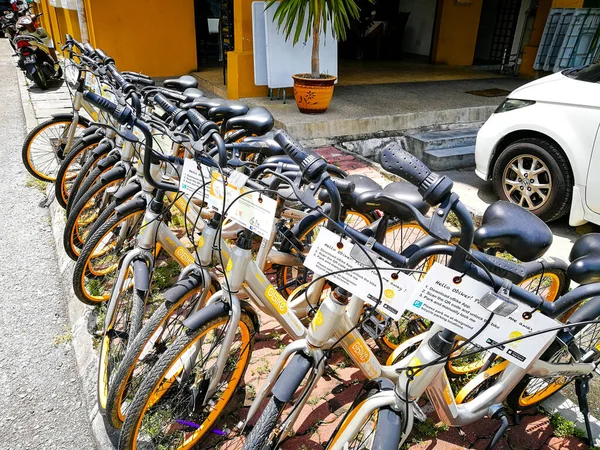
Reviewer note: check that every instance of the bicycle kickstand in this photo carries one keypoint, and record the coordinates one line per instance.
(582, 387)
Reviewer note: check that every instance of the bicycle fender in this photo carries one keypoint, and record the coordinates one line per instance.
(588, 311)
(248, 309)
(291, 377)
(88, 137)
(131, 205)
(389, 430)
(69, 117)
(127, 191)
(141, 275)
(109, 160)
(206, 314)
(91, 130)
(115, 172)
(182, 287)
(103, 148)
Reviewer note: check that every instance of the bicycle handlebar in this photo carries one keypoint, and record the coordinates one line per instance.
(311, 165)
(122, 114)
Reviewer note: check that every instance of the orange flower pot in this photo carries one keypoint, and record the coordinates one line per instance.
(313, 95)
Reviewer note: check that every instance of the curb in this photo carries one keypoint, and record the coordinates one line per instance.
(82, 318)
(30, 118)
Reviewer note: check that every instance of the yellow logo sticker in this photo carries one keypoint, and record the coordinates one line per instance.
(360, 351)
(413, 363)
(276, 300)
(317, 320)
(183, 256)
(201, 241)
(229, 266)
(448, 394)
(389, 293)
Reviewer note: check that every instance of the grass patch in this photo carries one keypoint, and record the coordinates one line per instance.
(563, 427)
(37, 184)
(63, 338)
(425, 431)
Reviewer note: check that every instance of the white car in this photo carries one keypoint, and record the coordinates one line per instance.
(540, 148)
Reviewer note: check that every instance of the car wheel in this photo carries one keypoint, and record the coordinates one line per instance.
(534, 173)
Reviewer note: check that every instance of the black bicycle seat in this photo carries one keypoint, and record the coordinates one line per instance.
(392, 200)
(182, 83)
(509, 227)
(257, 120)
(585, 259)
(272, 149)
(204, 104)
(192, 94)
(227, 110)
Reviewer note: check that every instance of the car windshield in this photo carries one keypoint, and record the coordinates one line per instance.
(590, 73)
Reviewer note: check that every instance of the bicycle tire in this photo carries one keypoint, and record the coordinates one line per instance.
(258, 439)
(86, 170)
(158, 332)
(50, 168)
(85, 213)
(91, 293)
(156, 389)
(68, 169)
(124, 324)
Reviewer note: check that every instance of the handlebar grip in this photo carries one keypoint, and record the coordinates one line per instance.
(119, 79)
(135, 74)
(311, 165)
(432, 186)
(138, 80)
(103, 57)
(165, 104)
(89, 49)
(123, 114)
(199, 121)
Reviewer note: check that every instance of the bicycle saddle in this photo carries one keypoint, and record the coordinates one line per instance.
(514, 229)
(227, 110)
(203, 104)
(585, 259)
(256, 121)
(273, 149)
(182, 83)
(192, 94)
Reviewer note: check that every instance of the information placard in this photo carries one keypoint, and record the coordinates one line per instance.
(455, 306)
(327, 256)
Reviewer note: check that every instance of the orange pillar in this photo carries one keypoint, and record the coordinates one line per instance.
(240, 61)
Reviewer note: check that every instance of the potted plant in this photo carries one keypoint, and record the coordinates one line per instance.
(313, 91)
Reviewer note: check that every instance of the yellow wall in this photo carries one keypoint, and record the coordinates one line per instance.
(240, 62)
(457, 32)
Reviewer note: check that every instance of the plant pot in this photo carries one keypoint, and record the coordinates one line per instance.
(313, 95)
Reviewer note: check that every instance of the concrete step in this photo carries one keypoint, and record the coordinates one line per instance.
(450, 158)
(419, 143)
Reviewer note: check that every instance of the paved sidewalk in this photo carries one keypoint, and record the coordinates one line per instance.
(41, 402)
(339, 387)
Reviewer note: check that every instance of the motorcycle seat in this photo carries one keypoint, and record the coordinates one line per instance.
(227, 110)
(515, 230)
(192, 94)
(585, 259)
(182, 83)
(257, 120)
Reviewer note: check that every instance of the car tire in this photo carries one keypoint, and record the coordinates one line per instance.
(549, 195)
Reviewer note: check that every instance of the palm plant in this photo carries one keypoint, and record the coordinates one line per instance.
(312, 15)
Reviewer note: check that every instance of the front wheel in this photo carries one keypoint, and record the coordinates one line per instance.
(260, 436)
(170, 410)
(535, 174)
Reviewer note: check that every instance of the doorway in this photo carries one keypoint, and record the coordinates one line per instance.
(496, 31)
(214, 36)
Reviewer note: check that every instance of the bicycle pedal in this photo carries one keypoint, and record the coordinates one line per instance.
(375, 327)
(418, 413)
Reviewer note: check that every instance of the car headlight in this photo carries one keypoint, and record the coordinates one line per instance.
(511, 103)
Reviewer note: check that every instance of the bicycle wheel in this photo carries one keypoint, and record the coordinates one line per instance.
(369, 436)
(169, 410)
(86, 212)
(81, 177)
(121, 330)
(532, 390)
(43, 148)
(155, 337)
(70, 167)
(94, 273)
(306, 231)
(260, 436)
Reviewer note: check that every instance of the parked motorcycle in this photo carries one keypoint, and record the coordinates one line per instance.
(8, 26)
(37, 56)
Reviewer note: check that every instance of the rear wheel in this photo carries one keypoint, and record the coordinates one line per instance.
(39, 78)
(43, 148)
(535, 174)
(169, 410)
(532, 390)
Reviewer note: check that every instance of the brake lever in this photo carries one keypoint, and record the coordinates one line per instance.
(128, 135)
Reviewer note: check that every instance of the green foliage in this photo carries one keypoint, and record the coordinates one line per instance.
(563, 427)
(292, 16)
